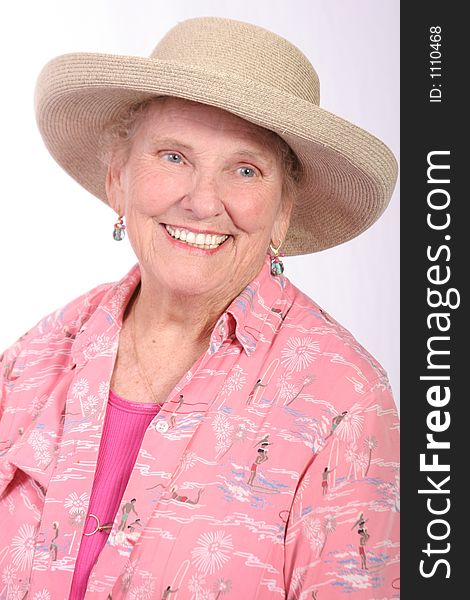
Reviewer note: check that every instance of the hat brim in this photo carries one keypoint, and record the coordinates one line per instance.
(349, 174)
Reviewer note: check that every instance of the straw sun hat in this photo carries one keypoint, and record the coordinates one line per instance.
(349, 175)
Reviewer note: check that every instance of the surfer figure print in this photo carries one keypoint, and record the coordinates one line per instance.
(261, 456)
(335, 422)
(363, 538)
(324, 482)
(257, 385)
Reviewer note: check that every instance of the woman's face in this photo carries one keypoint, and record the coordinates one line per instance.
(201, 191)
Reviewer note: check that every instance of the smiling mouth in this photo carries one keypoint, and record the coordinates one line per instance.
(205, 241)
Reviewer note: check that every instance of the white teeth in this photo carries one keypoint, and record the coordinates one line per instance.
(200, 240)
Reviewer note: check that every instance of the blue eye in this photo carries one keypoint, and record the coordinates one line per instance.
(173, 157)
(247, 171)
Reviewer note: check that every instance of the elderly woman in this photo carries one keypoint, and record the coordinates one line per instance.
(202, 428)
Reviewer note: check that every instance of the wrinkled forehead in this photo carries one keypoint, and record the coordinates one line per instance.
(166, 112)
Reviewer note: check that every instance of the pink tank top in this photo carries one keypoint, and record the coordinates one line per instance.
(123, 430)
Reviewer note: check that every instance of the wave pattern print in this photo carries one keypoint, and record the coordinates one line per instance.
(276, 475)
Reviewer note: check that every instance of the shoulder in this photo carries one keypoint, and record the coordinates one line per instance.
(53, 336)
(66, 320)
(327, 379)
(311, 336)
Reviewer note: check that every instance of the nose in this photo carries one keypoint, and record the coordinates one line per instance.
(203, 199)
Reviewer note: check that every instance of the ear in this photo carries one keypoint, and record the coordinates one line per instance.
(114, 186)
(281, 224)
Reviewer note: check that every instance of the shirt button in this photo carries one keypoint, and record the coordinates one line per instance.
(162, 426)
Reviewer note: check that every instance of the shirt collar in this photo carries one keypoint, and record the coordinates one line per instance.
(254, 316)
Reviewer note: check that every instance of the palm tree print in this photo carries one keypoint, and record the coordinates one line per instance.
(222, 586)
(311, 529)
(213, 551)
(370, 444)
(352, 425)
(352, 457)
(307, 380)
(329, 526)
(299, 353)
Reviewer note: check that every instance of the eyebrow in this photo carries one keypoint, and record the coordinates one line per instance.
(168, 141)
(261, 155)
(250, 153)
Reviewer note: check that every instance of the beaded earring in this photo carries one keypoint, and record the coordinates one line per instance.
(119, 231)
(277, 267)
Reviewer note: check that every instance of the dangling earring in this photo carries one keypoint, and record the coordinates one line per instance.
(119, 232)
(277, 267)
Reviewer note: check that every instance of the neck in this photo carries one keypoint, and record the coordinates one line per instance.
(181, 320)
(188, 318)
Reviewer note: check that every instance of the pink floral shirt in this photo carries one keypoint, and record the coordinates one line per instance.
(270, 472)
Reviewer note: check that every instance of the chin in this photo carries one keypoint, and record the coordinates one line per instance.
(192, 281)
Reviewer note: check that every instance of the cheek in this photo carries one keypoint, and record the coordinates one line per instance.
(149, 192)
(256, 214)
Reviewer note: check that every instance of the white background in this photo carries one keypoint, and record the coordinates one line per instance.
(56, 239)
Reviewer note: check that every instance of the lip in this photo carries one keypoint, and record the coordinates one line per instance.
(196, 231)
(193, 249)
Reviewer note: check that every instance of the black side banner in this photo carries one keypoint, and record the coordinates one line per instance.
(434, 331)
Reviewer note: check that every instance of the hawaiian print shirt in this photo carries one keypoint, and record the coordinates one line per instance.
(271, 471)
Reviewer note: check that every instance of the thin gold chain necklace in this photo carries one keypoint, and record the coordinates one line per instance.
(142, 371)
